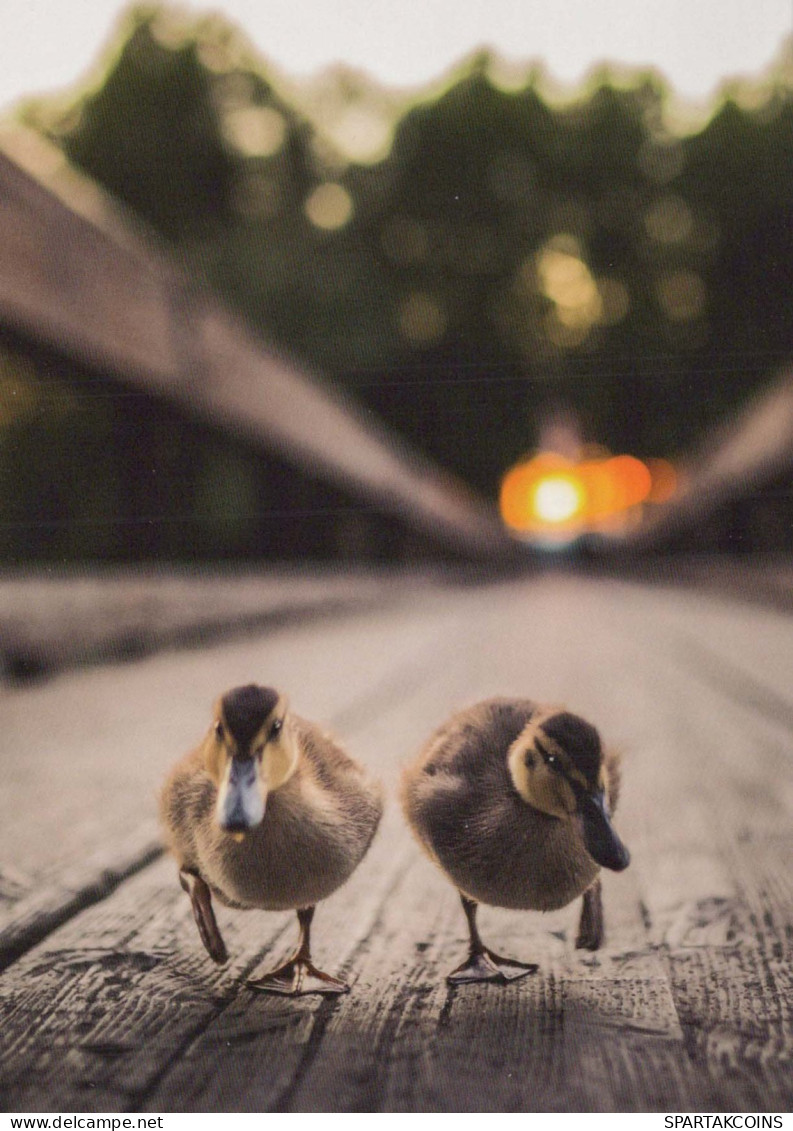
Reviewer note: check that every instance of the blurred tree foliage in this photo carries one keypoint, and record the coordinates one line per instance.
(506, 257)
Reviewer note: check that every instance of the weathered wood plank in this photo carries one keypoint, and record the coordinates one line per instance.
(37, 909)
(54, 621)
(720, 898)
(419, 1044)
(118, 995)
(255, 1030)
(91, 1016)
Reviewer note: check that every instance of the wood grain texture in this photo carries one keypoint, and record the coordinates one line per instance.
(52, 621)
(687, 1007)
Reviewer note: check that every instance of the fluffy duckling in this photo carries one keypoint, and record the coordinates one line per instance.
(267, 812)
(512, 800)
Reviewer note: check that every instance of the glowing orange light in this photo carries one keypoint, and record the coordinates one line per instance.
(622, 482)
(557, 498)
(549, 496)
(542, 493)
(665, 480)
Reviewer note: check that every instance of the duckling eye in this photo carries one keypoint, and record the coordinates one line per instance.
(276, 728)
(550, 760)
(219, 731)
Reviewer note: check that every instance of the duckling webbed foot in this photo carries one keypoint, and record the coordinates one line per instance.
(204, 915)
(590, 926)
(486, 966)
(299, 975)
(483, 964)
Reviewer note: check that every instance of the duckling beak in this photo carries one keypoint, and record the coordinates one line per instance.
(602, 842)
(240, 804)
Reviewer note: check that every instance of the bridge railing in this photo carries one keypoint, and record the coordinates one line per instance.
(77, 277)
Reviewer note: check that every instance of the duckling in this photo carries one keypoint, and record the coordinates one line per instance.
(512, 800)
(267, 812)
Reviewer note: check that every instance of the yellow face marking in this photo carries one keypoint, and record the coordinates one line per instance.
(540, 786)
(277, 751)
(279, 759)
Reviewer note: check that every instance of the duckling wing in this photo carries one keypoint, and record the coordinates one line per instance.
(457, 796)
(187, 801)
(475, 741)
(338, 783)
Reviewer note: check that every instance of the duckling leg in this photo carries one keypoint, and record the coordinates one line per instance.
(299, 975)
(590, 927)
(201, 899)
(483, 964)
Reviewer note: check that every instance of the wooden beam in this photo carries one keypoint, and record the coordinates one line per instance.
(93, 286)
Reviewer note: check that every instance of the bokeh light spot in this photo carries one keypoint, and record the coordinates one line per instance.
(329, 207)
(422, 319)
(557, 498)
(551, 497)
(255, 131)
(566, 280)
(364, 135)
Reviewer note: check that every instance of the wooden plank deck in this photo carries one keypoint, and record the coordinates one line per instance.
(54, 620)
(111, 1005)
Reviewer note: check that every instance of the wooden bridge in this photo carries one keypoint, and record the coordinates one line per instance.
(110, 1003)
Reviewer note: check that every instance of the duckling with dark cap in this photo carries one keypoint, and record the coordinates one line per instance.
(268, 812)
(513, 802)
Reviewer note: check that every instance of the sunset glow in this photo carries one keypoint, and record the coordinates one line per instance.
(553, 498)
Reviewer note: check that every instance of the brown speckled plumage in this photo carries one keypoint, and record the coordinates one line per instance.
(316, 829)
(462, 805)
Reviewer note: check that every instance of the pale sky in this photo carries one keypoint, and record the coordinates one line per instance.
(49, 44)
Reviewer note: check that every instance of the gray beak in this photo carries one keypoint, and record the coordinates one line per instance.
(240, 805)
(602, 842)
